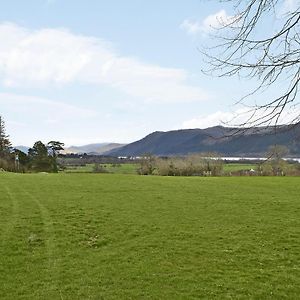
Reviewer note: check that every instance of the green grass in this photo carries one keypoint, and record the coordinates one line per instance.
(104, 236)
(122, 168)
(233, 167)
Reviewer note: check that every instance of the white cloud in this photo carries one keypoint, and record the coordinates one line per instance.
(238, 117)
(210, 23)
(43, 109)
(33, 58)
(213, 119)
(191, 27)
(30, 118)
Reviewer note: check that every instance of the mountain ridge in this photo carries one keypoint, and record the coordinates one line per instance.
(95, 148)
(227, 141)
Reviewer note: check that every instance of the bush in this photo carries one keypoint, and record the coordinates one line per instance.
(99, 169)
(7, 164)
(147, 165)
(193, 165)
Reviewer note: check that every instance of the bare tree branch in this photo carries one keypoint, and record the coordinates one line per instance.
(245, 49)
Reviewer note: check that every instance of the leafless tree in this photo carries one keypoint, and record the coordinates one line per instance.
(261, 42)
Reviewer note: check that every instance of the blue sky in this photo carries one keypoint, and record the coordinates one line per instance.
(108, 71)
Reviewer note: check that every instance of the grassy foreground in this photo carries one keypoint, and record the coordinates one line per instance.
(102, 236)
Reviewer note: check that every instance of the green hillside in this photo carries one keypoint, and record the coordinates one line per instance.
(253, 142)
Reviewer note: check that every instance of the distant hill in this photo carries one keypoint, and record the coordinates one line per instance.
(22, 148)
(96, 149)
(253, 143)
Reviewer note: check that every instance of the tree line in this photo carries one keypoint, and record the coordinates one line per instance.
(40, 158)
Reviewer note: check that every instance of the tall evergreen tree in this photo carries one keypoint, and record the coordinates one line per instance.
(55, 147)
(39, 158)
(5, 145)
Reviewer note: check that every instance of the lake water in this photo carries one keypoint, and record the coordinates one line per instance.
(257, 158)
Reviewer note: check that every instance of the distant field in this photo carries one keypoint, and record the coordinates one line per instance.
(125, 168)
(232, 167)
(107, 236)
(88, 168)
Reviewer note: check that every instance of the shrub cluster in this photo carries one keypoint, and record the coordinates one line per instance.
(99, 168)
(192, 165)
(6, 164)
(278, 167)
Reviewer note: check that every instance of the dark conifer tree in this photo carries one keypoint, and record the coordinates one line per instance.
(5, 145)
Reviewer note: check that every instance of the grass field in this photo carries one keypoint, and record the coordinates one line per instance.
(106, 236)
(233, 167)
(126, 168)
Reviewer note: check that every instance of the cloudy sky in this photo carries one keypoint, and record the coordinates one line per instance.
(90, 71)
